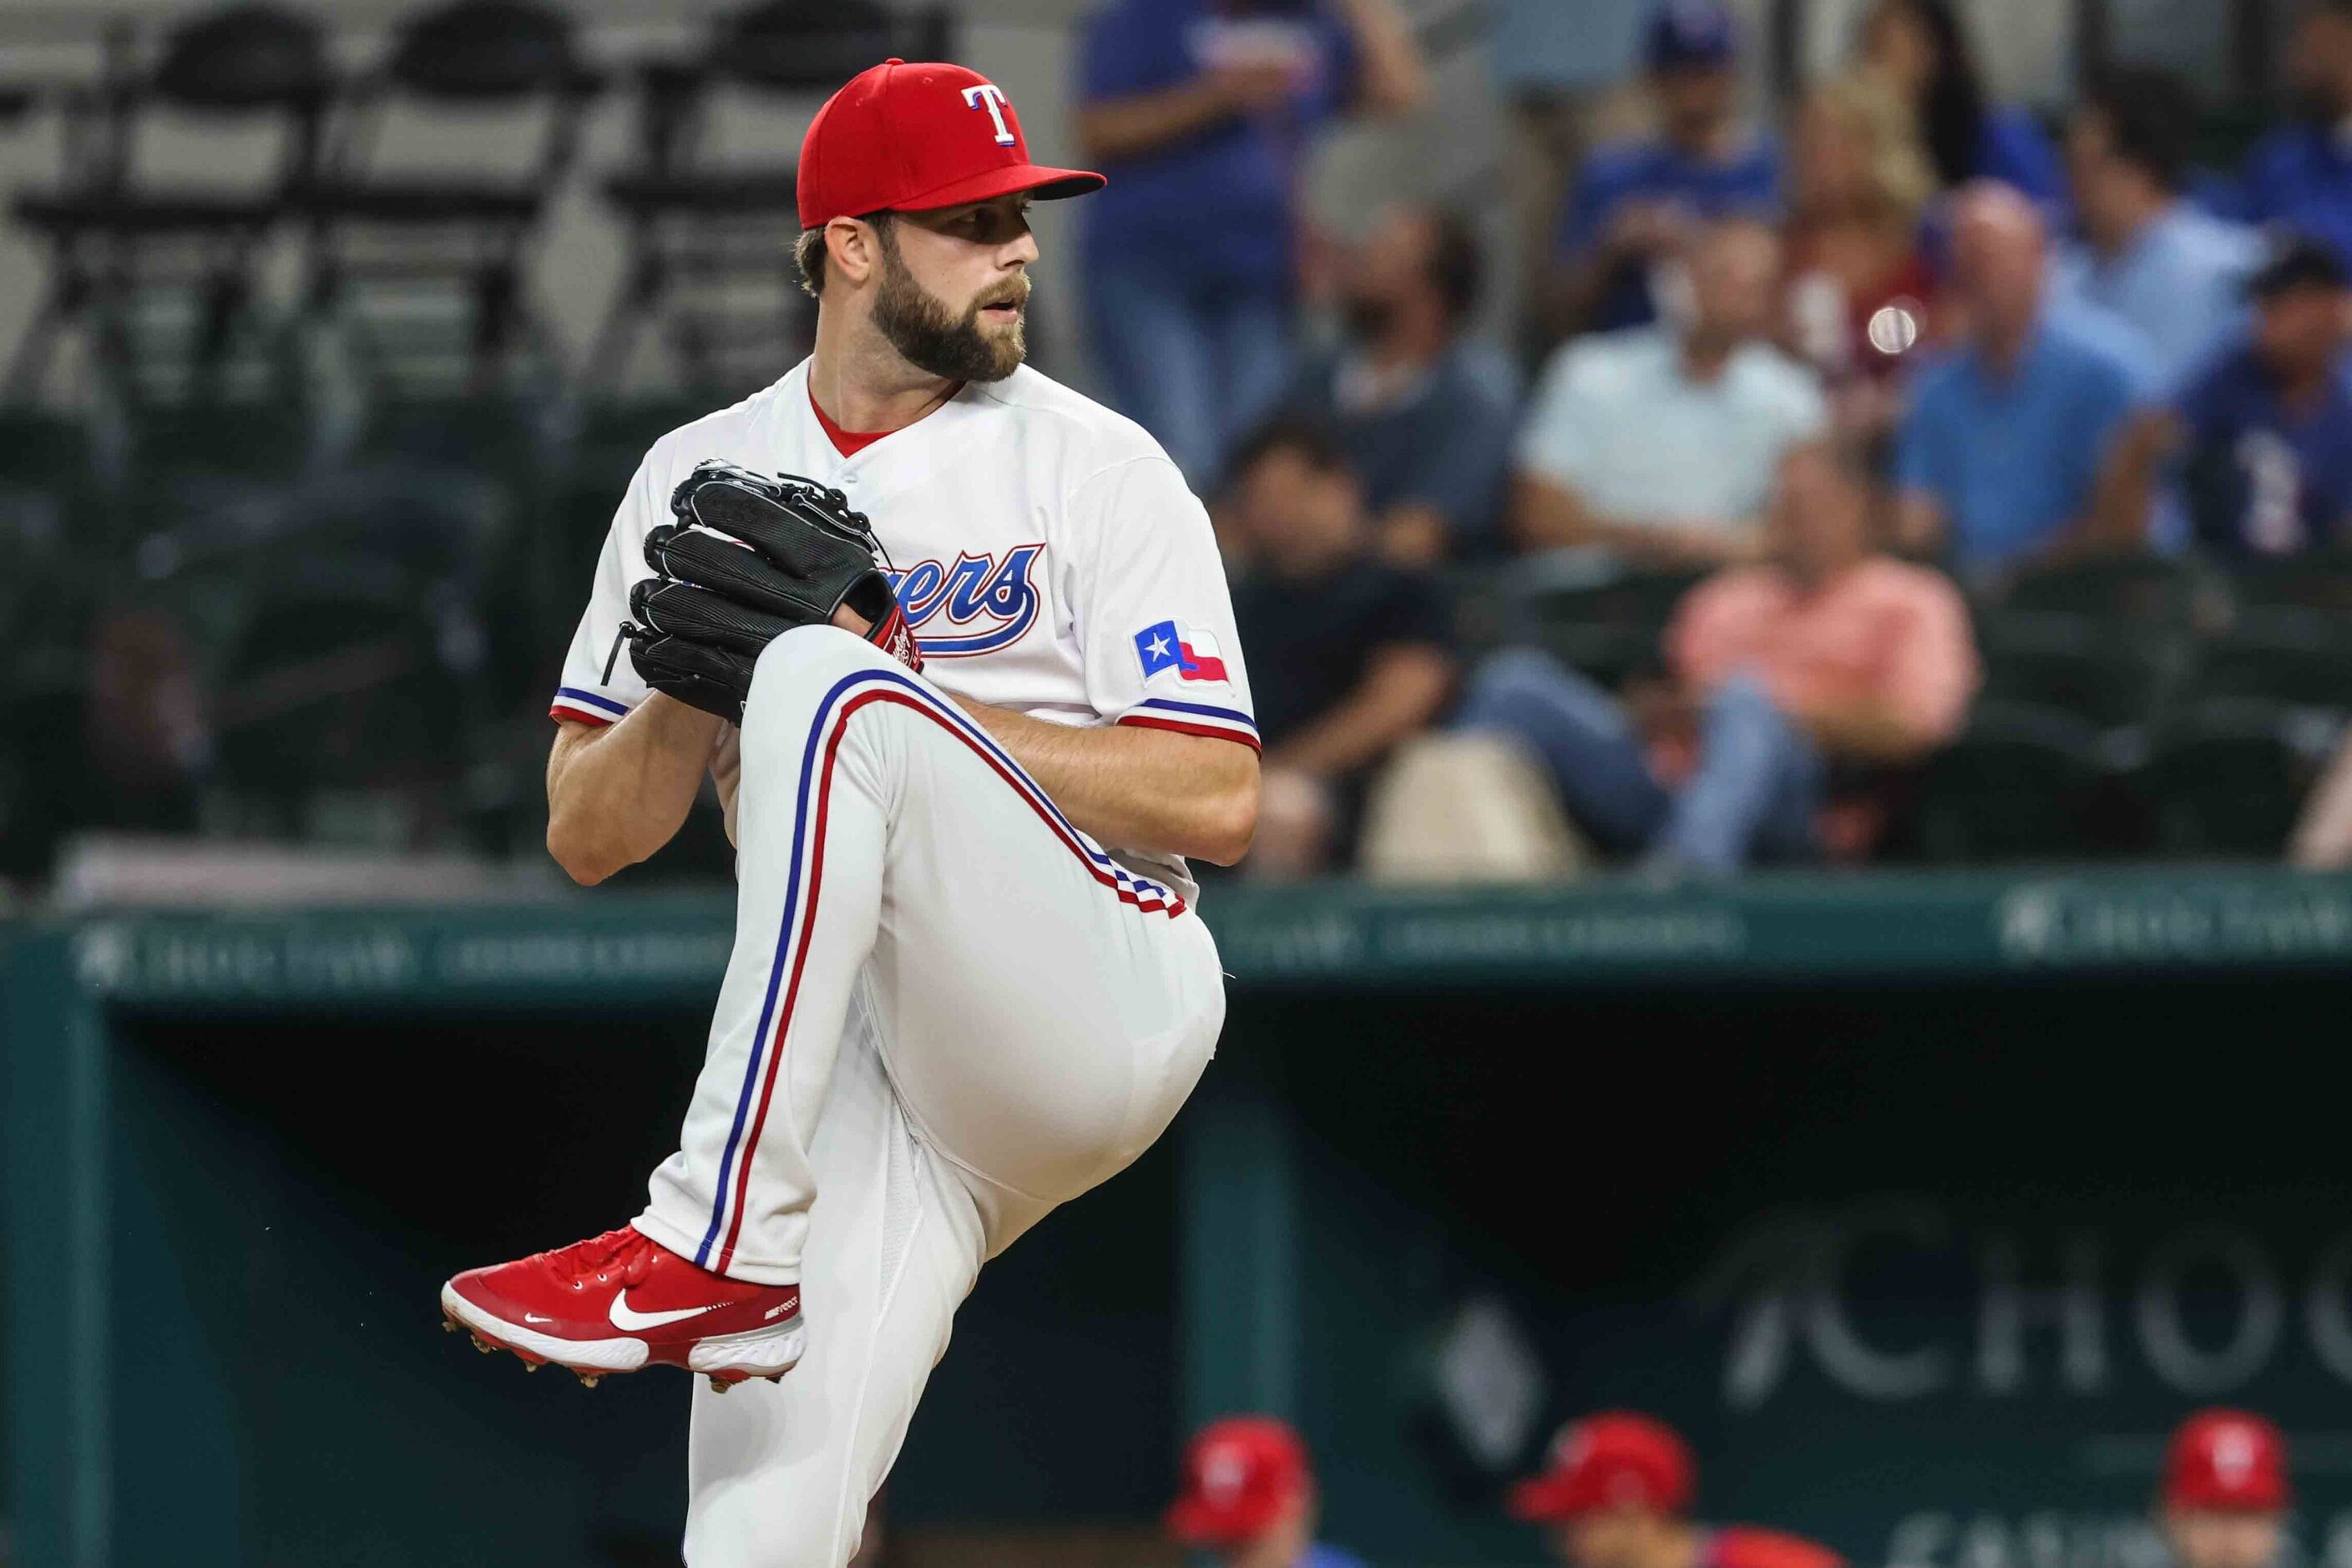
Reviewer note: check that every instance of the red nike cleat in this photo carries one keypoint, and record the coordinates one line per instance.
(622, 1301)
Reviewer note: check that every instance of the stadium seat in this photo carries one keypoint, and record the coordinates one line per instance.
(2110, 675)
(2144, 590)
(2021, 784)
(1609, 628)
(464, 234)
(2319, 580)
(706, 234)
(340, 680)
(2228, 778)
(2296, 657)
(121, 239)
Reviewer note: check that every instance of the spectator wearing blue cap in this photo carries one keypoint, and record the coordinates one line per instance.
(2175, 273)
(2299, 177)
(1638, 203)
(1917, 47)
(1200, 111)
(2266, 431)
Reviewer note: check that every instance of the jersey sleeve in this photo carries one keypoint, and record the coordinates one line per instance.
(599, 685)
(1154, 618)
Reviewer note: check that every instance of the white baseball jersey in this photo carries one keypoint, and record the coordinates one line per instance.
(1048, 555)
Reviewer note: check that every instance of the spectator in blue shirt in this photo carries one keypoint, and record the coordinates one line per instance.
(2266, 431)
(2299, 177)
(1424, 412)
(2032, 435)
(2172, 271)
(1250, 1499)
(1637, 203)
(1199, 111)
(1916, 47)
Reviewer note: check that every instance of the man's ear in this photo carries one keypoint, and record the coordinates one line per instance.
(853, 249)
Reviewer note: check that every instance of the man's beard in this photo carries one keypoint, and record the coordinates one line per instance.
(919, 324)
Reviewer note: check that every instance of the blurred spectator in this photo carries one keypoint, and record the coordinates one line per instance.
(2170, 270)
(2266, 430)
(147, 732)
(1199, 111)
(1249, 1498)
(1423, 413)
(1829, 654)
(1572, 76)
(2300, 175)
(1917, 49)
(1862, 293)
(1635, 204)
(1360, 646)
(2026, 440)
(1659, 443)
(2323, 837)
(2225, 1493)
(1616, 1493)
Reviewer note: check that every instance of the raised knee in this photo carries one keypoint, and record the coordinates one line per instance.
(818, 648)
(806, 662)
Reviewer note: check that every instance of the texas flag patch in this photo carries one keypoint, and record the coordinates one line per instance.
(1172, 645)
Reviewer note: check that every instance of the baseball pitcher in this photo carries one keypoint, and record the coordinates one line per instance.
(956, 644)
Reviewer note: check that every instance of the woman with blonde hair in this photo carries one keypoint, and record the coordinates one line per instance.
(1862, 292)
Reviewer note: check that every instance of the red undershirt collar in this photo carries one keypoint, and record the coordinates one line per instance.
(850, 443)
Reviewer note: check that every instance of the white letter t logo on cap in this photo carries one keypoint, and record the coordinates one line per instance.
(990, 97)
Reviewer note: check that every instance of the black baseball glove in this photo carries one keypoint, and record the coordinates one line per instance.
(749, 559)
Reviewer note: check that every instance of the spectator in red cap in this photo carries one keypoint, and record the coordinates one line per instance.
(1616, 1493)
(2225, 1492)
(1249, 1497)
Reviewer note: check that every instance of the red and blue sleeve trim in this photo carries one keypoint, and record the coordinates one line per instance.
(586, 706)
(1192, 719)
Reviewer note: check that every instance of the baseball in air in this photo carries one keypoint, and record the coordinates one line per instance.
(1895, 328)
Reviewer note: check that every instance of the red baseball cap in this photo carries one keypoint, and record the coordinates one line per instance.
(1239, 1474)
(1608, 1460)
(901, 138)
(2227, 1461)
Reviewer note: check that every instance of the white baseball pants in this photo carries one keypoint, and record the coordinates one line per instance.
(946, 1013)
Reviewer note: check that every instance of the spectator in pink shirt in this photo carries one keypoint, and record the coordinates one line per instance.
(1829, 656)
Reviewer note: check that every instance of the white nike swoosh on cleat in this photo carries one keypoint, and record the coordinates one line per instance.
(626, 1319)
(535, 1317)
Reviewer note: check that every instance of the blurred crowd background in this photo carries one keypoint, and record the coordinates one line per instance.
(1680, 436)
(1661, 440)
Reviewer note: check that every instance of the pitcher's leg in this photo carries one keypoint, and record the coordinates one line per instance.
(779, 1476)
(814, 818)
(1043, 1012)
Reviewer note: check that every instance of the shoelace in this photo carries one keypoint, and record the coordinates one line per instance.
(625, 1252)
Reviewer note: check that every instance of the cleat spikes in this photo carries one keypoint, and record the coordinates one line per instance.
(775, 1377)
(720, 1385)
(588, 1380)
(532, 1365)
(449, 1325)
(485, 1346)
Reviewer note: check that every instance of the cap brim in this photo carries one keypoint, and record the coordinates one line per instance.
(1045, 184)
(2243, 1501)
(1195, 1523)
(1548, 1500)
